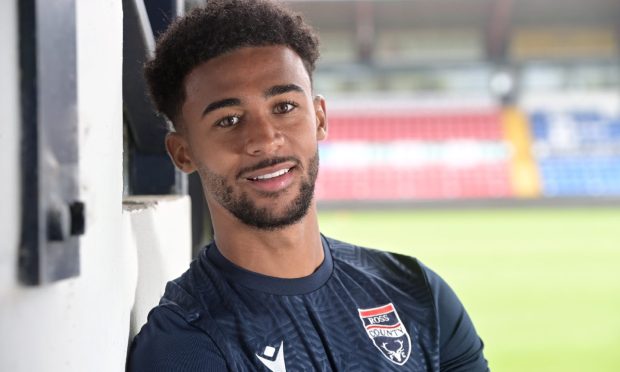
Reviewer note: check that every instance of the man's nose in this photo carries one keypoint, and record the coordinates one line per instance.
(262, 136)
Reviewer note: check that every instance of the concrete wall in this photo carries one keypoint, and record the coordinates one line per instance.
(84, 323)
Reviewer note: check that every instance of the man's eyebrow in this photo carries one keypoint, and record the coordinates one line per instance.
(227, 102)
(281, 89)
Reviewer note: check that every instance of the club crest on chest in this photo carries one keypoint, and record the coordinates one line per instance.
(387, 332)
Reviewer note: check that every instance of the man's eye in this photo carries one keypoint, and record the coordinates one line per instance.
(228, 121)
(284, 107)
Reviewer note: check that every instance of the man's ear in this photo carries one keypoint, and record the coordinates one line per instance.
(321, 117)
(178, 150)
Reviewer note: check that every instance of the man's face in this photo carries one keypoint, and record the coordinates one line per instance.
(250, 128)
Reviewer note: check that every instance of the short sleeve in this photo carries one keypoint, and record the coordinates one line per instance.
(168, 343)
(460, 347)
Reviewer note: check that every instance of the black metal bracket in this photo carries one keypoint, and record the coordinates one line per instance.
(52, 215)
(150, 171)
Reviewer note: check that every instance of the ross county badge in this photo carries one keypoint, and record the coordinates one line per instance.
(387, 332)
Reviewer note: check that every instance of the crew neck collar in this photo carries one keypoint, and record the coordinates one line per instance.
(270, 284)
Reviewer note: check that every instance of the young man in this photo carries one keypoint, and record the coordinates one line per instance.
(271, 293)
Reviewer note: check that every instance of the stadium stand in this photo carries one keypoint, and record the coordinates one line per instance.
(469, 154)
(415, 155)
(578, 152)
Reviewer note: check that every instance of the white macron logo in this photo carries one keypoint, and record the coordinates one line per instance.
(274, 364)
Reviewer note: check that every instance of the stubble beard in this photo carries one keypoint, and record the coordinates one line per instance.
(263, 218)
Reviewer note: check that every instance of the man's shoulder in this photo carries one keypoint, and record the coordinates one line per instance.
(461, 348)
(182, 294)
(374, 260)
(351, 252)
(174, 337)
(170, 341)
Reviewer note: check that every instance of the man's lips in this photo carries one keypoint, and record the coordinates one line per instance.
(274, 177)
(267, 167)
(269, 172)
(271, 175)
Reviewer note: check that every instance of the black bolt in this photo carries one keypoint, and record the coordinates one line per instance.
(78, 218)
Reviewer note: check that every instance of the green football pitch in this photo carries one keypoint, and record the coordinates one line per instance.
(542, 285)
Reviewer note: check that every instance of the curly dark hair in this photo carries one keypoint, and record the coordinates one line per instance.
(219, 27)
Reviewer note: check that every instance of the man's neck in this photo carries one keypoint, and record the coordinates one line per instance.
(291, 252)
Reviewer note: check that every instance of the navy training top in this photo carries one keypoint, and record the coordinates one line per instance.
(361, 310)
